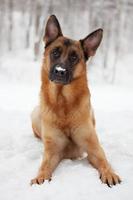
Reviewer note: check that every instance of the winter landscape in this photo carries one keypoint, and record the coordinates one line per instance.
(110, 78)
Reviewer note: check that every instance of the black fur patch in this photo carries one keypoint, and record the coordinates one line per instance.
(67, 42)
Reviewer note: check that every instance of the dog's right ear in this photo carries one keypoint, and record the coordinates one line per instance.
(52, 30)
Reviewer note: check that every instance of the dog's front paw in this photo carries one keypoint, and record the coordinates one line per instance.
(110, 178)
(40, 179)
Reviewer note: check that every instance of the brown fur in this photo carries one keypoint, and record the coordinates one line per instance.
(65, 122)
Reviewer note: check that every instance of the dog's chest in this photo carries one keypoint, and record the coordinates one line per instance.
(64, 111)
(67, 132)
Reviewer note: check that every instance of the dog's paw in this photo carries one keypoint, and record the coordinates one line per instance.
(110, 178)
(40, 179)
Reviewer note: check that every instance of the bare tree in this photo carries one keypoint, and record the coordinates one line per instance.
(30, 19)
(37, 29)
(10, 18)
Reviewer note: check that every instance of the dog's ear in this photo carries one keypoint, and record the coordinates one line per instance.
(52, 30)
(91, 43)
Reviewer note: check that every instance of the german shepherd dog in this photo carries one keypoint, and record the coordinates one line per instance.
(64, 120)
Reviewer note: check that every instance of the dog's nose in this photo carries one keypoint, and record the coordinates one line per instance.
(59, 70)
(60, 73)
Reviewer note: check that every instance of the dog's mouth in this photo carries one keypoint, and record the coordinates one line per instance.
(59, 74)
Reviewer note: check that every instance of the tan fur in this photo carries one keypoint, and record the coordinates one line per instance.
(65, 122)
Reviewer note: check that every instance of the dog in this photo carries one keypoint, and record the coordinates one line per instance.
(64, 120)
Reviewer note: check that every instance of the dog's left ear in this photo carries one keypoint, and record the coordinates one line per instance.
(91, 43)
(52, 30)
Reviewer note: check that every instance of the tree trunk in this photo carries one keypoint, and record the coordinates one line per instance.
(10, 19)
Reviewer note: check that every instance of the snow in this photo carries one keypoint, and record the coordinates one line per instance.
(21, 152)
(58, 68)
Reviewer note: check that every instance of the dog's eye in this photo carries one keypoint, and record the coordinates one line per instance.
(56, 52)
(73, 57)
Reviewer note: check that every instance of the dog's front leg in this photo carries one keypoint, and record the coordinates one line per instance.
(85, 136)
(54, 143)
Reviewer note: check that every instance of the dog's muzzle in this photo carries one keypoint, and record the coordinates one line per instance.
(59, 74)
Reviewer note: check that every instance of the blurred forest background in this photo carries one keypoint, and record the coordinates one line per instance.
(22, 25)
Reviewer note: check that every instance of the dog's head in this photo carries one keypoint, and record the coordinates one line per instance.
(65, 57)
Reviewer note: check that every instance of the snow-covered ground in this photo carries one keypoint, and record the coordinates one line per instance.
(21, 152)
